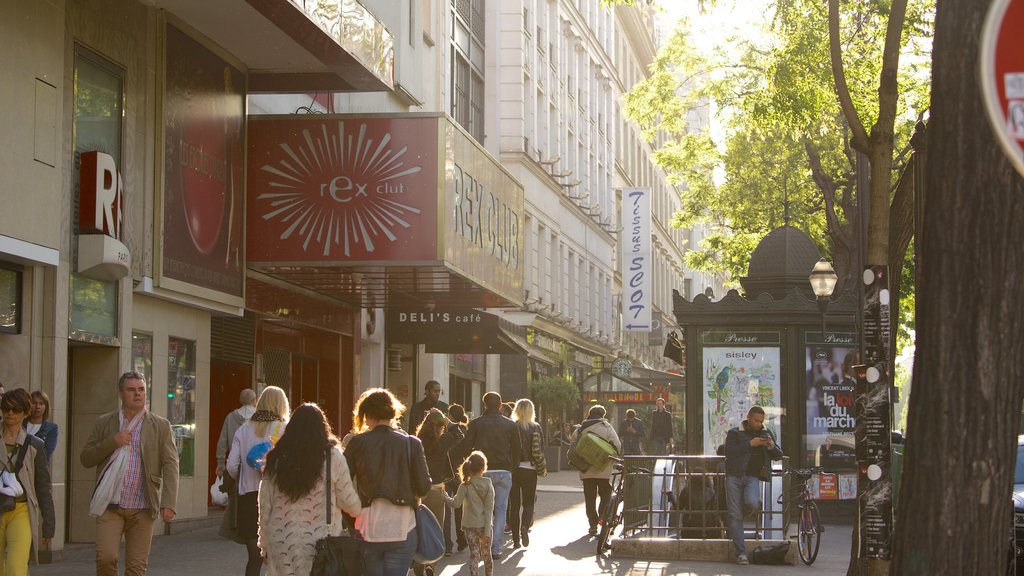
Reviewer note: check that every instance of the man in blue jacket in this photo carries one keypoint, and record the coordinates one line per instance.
(749, 449)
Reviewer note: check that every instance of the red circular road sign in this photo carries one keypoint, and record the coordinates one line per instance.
(1002, 75)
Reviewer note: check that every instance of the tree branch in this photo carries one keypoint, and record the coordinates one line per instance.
(860, 137)
(828, 191)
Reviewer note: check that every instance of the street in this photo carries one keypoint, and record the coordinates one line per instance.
(559, 547)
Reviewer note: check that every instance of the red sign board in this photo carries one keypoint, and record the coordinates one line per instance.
(341, 190)
(101, 195)
(828, 486)
(1002, 75)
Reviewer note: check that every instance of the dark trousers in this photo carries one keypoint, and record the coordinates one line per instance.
(452, 486)
(524, 495)
(592, 488)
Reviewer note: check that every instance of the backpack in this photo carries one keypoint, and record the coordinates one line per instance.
(256, 458)
(774, 554)
(590, 451)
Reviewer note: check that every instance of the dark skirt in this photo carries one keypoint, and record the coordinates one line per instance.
(249, 515)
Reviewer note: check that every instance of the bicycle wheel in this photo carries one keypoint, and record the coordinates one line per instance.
(809, 538)
(611, 518)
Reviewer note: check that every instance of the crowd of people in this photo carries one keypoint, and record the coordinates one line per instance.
(478, 477)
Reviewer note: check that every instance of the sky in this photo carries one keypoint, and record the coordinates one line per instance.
(726, 18)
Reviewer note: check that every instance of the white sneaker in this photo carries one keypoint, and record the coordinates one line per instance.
(742, 559)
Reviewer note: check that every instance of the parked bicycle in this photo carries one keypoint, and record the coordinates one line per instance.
(611, 517)
(809, 527)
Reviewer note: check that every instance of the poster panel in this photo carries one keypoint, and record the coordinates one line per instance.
(204, 119)
(831, 417)
(736, 378)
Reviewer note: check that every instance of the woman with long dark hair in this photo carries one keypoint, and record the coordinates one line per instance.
(438, 439)
(532, 464)
(391, 476)
(246, 461)
(292, 497)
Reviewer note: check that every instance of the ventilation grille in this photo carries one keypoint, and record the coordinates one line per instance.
(232, 339)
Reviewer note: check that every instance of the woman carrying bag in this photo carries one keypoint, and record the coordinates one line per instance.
(246, 461)
(438, 439)
(29, 525)
(292, 511)
(391, 476)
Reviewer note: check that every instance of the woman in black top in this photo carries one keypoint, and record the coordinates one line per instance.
(391, 476)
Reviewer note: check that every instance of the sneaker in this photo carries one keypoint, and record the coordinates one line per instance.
(447, 551)
(516, 544)
(496, 556)
(526, 538)
(742, 559)
(593, 531)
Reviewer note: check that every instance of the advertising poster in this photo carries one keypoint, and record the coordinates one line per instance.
(736, 378)
(831, 416)
(204, 118)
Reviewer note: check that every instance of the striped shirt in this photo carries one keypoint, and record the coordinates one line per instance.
(133, 491)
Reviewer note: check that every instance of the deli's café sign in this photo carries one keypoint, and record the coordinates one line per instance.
(101, 254)
(336, 190)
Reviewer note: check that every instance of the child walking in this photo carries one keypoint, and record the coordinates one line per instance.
(478, 515)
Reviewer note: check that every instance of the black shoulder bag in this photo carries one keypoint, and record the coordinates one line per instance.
(335, 555)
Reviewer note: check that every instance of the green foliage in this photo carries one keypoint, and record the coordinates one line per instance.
(784, 140)
(554, 394)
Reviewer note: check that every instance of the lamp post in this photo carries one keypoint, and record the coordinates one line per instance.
(823, 281)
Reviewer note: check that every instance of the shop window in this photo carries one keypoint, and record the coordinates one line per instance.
(181, 401)
(10, 300)
(142, 360)
(98, 109)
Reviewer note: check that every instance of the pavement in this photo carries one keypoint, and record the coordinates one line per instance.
(559, 546)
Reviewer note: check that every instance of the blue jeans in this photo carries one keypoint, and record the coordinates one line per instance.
(502, 482)
(388, 558)
(742, 496)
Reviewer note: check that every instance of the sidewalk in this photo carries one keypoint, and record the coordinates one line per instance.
(560, 547)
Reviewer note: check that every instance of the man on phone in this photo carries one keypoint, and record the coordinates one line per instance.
(749, 450)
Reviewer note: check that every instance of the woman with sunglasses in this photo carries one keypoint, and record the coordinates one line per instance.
(31, 521)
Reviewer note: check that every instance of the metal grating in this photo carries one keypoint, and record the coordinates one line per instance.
(277, 368)
(232, 339)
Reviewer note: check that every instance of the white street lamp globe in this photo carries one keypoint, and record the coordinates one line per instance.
(823, 279)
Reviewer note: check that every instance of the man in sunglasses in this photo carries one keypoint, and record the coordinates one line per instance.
(137, 478)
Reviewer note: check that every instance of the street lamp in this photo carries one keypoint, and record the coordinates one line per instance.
(823, 280)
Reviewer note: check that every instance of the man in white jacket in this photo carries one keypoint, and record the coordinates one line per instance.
(597, 482)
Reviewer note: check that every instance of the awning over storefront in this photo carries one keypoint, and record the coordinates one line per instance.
(383, 211)
(450, 331)
(297, 45)
(642, 386)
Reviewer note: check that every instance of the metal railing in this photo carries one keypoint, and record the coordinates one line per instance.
(684, 497)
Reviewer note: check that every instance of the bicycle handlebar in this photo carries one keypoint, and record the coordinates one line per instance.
(805, 472)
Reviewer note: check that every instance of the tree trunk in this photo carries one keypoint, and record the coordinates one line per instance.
(956, 516)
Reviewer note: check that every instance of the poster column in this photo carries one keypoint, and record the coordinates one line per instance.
(873, 431)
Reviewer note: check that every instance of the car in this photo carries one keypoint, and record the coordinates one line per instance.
(1017, 551)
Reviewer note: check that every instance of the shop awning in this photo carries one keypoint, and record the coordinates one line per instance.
(450, 331)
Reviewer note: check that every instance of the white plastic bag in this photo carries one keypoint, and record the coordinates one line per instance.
(216, 496)
(9, 484)
(111, 477)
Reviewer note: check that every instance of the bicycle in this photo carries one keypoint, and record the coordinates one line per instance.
(611, 517)
(809, 527)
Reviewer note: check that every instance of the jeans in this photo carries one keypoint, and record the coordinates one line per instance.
(524, 493)
(137, 528)
(388, 558)
(742, 496)
(592, 488)
(502, 482)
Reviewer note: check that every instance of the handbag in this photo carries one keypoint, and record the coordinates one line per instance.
(335, 555)
(429, 538)
(217, 495)
(11, 488)
(110, 478)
